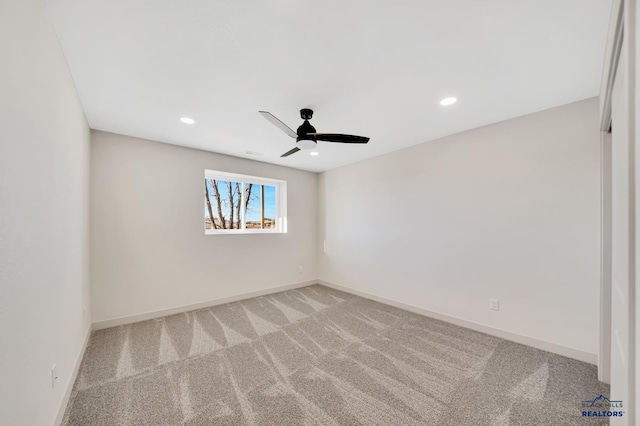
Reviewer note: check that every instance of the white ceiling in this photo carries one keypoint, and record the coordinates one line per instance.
(367, 67)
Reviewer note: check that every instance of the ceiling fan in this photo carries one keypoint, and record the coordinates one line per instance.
(306, 136)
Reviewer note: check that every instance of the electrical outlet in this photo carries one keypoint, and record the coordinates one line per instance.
(494, 304)
(300, 269)
(54, 375)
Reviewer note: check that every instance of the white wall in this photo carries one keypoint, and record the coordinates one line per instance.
(507, 211)
(148, 248)
(44, 183)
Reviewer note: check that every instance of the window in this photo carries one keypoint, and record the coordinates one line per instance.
(236, 204)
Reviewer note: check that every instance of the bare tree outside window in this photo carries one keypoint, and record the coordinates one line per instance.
(261, 208)
(224, 207)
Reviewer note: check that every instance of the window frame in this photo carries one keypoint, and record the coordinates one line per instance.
(281, 202)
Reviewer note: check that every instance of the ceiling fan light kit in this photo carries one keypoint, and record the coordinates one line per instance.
(306, 136)
(306, 144)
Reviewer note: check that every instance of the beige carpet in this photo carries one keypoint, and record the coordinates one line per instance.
(320, 356)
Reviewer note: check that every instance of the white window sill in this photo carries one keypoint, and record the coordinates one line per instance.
(240, 231)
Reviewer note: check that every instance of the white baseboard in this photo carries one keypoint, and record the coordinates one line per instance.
(99, 325)
(507, 335)
(72, 378)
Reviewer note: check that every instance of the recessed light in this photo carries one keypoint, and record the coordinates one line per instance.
(187, 120)
(254, 153)
(314, 153)
(448, 101)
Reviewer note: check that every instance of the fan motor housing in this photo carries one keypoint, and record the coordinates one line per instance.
(306, 135)
(304, 130)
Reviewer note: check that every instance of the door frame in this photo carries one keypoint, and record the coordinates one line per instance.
(612, 55)
(622, 26)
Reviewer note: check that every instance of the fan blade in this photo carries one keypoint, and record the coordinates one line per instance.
(279, 124)
(288, 153)
(335, 137)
